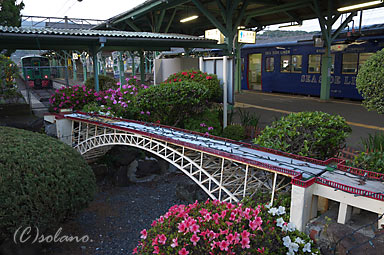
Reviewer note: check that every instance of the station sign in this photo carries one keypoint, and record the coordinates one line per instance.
(245, 36)
(214, 34)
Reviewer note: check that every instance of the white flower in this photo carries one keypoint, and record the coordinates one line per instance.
(268, 205)
(287, 241)
(273, 211)
(284, 228)
(281, 210)
(293, 247)
(290, 252)
(279, 222)
(307, 247)
(299, 240)
(291, 227)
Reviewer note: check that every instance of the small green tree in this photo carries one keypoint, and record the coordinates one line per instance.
(370, 82)
(10, 16)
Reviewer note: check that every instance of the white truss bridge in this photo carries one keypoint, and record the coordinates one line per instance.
(228, 170)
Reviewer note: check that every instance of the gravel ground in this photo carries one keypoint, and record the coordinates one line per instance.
(114, 219)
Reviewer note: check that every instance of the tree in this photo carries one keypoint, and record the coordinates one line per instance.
(10, 16)
(370, 82)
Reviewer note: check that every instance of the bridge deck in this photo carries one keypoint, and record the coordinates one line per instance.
(307, 169)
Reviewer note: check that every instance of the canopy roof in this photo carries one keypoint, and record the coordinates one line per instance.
(165, 15)
(80, 39)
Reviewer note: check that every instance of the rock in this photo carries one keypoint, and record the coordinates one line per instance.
(131, 173)
(123, 155)
(172, 168)
(100, 170)
(190, 192)
(120, 177)
(50, 129)
(148, 167)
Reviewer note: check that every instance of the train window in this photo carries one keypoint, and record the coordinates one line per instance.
(269, 64)
(297, 61)
(314, 63)
(363, 57)
(350, 63)
(285, 64)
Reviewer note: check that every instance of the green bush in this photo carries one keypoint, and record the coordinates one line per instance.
(209, 80)
(372, 161)
(370, 82)
(374, 142)
(171, 104)
(207, 122)
(105, 82)
(42, 181)
(234, 132)
(313, 134)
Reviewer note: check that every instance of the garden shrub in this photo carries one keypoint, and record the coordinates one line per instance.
(370, 82)
(172, 103)
(105, 82)
(42, 181)
(374, 142)
(209, 80)
(216, 227)
(8, 73)
(312, 134)
(207, 122)
(74, 98)
(234, 132)
(372, 161)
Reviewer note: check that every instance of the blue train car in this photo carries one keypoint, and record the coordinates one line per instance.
(295, 67)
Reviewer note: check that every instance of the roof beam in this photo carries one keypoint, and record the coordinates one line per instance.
(159, 21)
(140, 11)
(210, 17)
(170, 21)
(130, 23)
(277, 9)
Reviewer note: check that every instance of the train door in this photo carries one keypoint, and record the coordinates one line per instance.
(254, 71)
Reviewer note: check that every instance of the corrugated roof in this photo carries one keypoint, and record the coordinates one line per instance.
(98, 33)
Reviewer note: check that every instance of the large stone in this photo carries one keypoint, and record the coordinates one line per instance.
(190, 192)
(123, 155)
(100, 170)
(120, 177)
(147, 167)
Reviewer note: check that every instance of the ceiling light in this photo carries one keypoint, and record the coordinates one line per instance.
(189, 18)
(292, 24)
(359, 6)
(240, 27)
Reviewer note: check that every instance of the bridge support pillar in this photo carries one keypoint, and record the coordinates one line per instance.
(64, 130)
(303, 206)
(345, 212)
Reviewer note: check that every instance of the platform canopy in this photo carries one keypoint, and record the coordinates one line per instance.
(94, 40)
(165, 15)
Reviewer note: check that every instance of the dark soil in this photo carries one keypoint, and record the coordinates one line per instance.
(114, 219)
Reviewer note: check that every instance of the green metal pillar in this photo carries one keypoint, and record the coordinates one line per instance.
(121, 69)
(238, 68)
(142, 72)
(84, 62)
(326, 74)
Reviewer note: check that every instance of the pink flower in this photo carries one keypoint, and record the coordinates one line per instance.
(183, 252)
(143, 234)
(255, 223)
(156, 250)
(134, 251)
(245, 243)
(194, 228)
(223, 245)
(162, 239)
(182, 227)
(245, 234)
(261, 250)
(174, 243)
(230, 238)
(210, 128)
(194, 239)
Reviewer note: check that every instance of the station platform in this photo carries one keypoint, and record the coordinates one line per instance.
(272, 106)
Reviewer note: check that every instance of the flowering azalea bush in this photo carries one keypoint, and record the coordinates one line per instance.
(209, 80)
(74, 97)
(216, 227)
(207, 122)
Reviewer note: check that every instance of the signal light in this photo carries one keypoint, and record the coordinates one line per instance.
(28, 76)
(46, 76)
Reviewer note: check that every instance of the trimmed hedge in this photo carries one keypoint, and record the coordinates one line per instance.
(234, 132)
(370, 82)
(42, 181)
(312, 134)
(172, 103)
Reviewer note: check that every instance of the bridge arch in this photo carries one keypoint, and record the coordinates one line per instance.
(173, 154)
